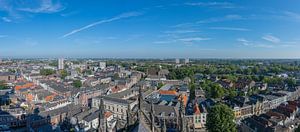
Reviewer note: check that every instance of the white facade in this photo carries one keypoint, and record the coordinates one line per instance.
(60, 64)
(102, 65)
(177, 61)
(186, 61)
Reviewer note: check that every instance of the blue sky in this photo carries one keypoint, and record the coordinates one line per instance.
(152, 29)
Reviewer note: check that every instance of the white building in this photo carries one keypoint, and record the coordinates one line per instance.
(61, 64)
(102, 65)
(177, 61)
(186, 61)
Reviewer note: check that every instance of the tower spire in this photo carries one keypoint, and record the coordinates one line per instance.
(102, 123)
(152, 113)
(140, 99)
(182, 115)
(164, 127)
(128, 114)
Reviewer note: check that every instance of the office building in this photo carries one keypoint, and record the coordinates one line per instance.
(186, 61)
(60, 64)
(177, 61)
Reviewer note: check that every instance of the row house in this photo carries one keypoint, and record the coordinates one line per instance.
(279, 119)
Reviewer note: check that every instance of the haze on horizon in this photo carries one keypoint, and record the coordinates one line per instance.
(150, 29)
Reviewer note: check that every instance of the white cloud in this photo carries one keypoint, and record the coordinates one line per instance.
(271, 38)
(244, 41)
(121, 16)
(257, 44)
(184, 25)
(263, 46)
(221, 19)
(164, 42)
(69, 14)
(288, 45)
(180, 31)
(3, 36)
(230, 28)
(184, 40)
(5, 19)
(292, 15)
(213, 4)
(19, 9)
(45, 6)
(191, 39)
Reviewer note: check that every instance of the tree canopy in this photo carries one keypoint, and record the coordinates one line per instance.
(77, 83)
(63, 73)
(46, 72)
(213, 90)
(3, 85)
(220, 119)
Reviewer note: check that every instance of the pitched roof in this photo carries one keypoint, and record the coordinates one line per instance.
(168, 92)
(196, 109)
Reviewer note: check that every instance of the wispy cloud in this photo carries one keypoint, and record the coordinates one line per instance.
(292, 15)
(271, 38)
(263, 46)
(45, 6)
(69, 13)
(121, 16)
(183, 25)
(5, 19)
(249, 43)
(3, 36)
(258, 44)
(188, 40)
(244, 41)
(180, 31)
(164, 41)
(213, 4)
(18, 9)
(193, 39)
(221, 19)
(230, 28)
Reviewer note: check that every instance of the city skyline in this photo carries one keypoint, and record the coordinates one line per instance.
(149, 29)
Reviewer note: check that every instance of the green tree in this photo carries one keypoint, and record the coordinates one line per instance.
(46, 72)
(63, 73)
(3, 85)
(232, 92)
(291, 81)
(220, 119)
(159, 85)
(192, 87)
(53, 63)
(77, 83)
(88, 72)
(217, 91)
(12, 70)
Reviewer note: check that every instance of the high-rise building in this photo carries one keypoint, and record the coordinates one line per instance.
(177, 61)
(186, 61)
(60, 63)
(102, 65)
